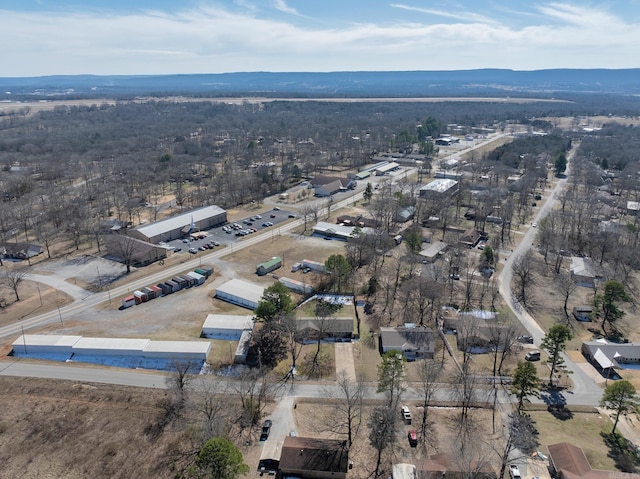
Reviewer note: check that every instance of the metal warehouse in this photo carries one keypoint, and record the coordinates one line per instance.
(226, 326)
(180, 225)
(106, 350)
(242, 293)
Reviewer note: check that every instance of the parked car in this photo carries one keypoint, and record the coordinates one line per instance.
(276, 208)
(291, 215)
(193, 250)
(413, 438)
(266, 428)
(514, 472)
(258, 217)
(455, 276)
(406, 414)
(273, 216)
(532, 356)
(525, 339)
(176, 250)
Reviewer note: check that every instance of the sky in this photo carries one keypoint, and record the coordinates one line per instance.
(145, 37)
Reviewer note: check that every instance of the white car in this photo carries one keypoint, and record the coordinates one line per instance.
(534, 225)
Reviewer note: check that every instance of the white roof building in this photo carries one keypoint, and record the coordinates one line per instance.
(438, 188)
(241, 293)
(226, 326)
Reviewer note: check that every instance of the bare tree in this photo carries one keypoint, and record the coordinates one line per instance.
(210, 400)
(347, 417)
(524, 276)
(14, 277)
(181, 372)
(428, 373)
(566, 286)
(382, 425)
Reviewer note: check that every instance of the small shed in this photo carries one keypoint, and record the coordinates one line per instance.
(269, 266)
(582, 313)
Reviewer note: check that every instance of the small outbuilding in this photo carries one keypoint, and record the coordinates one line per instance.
(269, 266)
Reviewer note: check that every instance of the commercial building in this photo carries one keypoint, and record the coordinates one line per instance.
(226, 326)
(181, 225)
(605, 355)
(439, 188)
(241, 293)
(134, 251)
(124, 352)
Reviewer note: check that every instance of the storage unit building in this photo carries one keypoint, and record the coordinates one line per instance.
(44, 344)
(269, 266)
(242, 293)
(226, 326)
(243, 347)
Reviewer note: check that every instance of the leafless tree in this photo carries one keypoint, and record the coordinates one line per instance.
(428, 374)
(210, 399)
(256, 388)
(14, 277)
(347, 407)
(524, 275)
(382, 424)
(181, 373)
(566, 286)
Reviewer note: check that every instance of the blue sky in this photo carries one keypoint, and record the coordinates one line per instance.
(51, 37)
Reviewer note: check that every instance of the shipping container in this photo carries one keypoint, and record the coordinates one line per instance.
(204, 271)
(157, 290)
(190, 281)
(181, 282)
(128, 301)
(149, 292)
(174, 286)
(198, 277)
(166, 289)
(313, 265)
(140, 297)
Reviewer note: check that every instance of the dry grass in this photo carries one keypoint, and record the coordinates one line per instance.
(582, 430)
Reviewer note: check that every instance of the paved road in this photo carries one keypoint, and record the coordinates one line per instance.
(585, 391)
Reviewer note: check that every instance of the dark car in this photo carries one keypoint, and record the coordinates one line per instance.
(266, 428)
(525, 339)
(413, 438)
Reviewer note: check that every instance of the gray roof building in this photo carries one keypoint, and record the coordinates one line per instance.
(412, 342)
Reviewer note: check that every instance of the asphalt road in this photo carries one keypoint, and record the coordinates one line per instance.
(585, 391)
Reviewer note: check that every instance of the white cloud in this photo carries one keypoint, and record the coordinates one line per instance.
(213, 39)
(283, 7)
(460, 16)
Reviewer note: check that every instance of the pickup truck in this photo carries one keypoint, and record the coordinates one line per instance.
(406, 414)
(514, 472)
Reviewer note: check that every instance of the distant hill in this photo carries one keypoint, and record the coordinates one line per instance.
(487, 82)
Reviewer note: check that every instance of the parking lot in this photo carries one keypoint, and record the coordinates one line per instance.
(230, 233)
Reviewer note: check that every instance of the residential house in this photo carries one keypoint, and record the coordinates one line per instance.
(413, 342)
(470, 237)
(336, 328)
(607, 356)
(570, 462)
(310, 458)
(583, 271)
(432, 252)
(20, 251)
